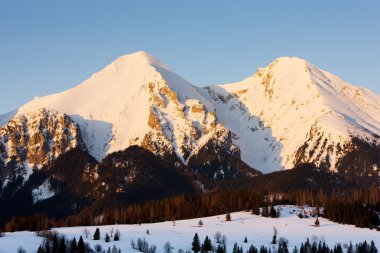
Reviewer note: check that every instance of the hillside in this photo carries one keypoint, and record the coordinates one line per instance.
(257, 229)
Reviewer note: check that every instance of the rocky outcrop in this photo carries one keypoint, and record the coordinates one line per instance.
(31, 141)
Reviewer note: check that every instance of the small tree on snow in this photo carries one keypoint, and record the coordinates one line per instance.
(274, 239)
(228, 217)
(117, 235)
(200, 223)
(224, 239)
(207, 245)
(168, 247)
(218, 237)
(86, 232)
(97, 234)
(133, 244)
(196, 245)
(107, 238)
(316, 222)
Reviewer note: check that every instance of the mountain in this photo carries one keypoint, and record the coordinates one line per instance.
(286, 114)
(314, 116)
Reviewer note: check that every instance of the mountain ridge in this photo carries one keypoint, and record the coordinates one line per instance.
(286, 113)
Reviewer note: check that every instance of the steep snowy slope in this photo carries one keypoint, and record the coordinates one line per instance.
(138, 100)
(312, 114)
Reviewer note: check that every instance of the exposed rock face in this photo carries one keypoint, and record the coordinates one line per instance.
(178, 125)
(32, 140)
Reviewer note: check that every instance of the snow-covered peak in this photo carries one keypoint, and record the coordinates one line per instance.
(135, 100)
(138, 58)
(312, 113)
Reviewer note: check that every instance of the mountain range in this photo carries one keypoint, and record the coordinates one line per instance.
(286, 114)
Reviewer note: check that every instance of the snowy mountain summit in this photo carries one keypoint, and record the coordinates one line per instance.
(285, 114)
(313, 114)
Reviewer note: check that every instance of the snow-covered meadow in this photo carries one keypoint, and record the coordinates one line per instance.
(257, 229)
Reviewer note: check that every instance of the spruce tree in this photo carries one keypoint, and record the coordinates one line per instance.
(350, 248)
(62, 246)
(219, 249)
(372, 248)
(196, 245)
(73, 246)
(81, 246)
(47, 246)
(107, 238)
(235, 249)
(117, 235)
(207, 246)
(97, 234)
(316, 222)
(272, 212)
(228, 217)
(245, 240)
(55, 244)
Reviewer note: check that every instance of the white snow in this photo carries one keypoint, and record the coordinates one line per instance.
(42, 192)
(257, 229)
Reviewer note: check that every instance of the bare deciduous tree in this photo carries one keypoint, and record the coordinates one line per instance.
(218, 237)
(86, 232)
(168, 247)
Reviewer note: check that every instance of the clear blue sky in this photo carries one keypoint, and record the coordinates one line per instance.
(50, 46)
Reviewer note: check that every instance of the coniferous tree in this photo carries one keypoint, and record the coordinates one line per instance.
(219, 249)
(252, 249)
(81, 246)
(245, 240)
(263, 249)
(228, 217)
(40, 250)
(73, 246)
(274, 238)
(207, 246)
(372, 248)
(314, 247)
(196, 245)
(272, 212)
(350, 248)
(316, 222)
(107, 238)
(302, 248)
(265, 212)
(46, 246)
(62, 246)
(117, 235)
(97, 234)
(235, 249)
(55, 248)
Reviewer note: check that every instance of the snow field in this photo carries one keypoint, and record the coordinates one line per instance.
(257, 229)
